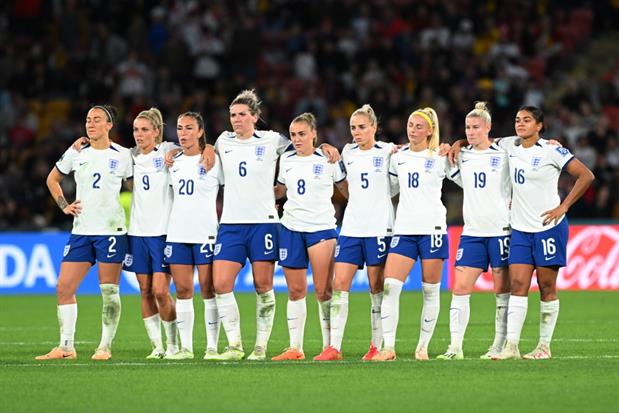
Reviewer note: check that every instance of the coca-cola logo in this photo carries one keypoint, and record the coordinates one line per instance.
(592, 253)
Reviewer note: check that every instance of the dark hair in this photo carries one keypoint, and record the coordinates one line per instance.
(537, 114)
(110, 112)
(198, 117)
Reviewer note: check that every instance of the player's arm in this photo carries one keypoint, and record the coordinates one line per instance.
(208, 156)
(342, 186)
(280, 190)
(454, 151)
(80, 142)
(333, 155)
(169, 156)
(53, 184)
(584, 178)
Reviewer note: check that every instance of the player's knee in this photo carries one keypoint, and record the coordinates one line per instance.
(518, 287)
(296, 293)
(160, 293)
(323, 295)
(547, 290)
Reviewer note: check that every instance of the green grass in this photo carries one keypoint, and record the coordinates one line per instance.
(581, 377)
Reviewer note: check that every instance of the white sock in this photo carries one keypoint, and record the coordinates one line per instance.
(171, 332)
(516, 314)
(296, 312)
(429, 312)
(375, 322)
(549, 312)
(324, 313)
(184, 320)
(459, 312)
(265, 313)
(211, 322)
(67, 318)
(153, 329)
(500, 321)
(231, 320)
(390, 311)
(110, 315)
(338, 316)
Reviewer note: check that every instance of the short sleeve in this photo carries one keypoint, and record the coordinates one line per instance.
(505, 143)
(281, 176)
(339, 172)
(129, 165)
(559, 155)
(65, 163)
(283, 144)
(453, 173)
(392, 166)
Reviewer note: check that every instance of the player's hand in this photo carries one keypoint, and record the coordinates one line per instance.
(74, 208)
(396, 148)
(553, 215)
(443, 149)
(169, 157)
(555, 143)
(454, 152)
(81, 141)
(208, 157)
(333, 155)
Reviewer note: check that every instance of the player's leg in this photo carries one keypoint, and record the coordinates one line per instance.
(263, 252)
(211, 315)
(321, 259)
(167, 310)
(150, 315)
(500, 276)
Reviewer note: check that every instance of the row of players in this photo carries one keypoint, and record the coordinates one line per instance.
(513, 219)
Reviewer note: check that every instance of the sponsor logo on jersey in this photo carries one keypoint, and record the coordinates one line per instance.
(283, 253)
(260, 150)
(67, 248)
(167, 251)
(113, 164)
(377, 161)
(158, 163)
(428, 164)
(317, 169)
(536, 162)
(394, 242)
(495, 162)
(128, 260)
(563, 151)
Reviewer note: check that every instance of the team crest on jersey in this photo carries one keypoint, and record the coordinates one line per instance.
(260, 150)
(128, 260)
(377, 161)
(283, 254)
(459, 254)
(67, 248)
(536, 162)
(113, 164)
(337, 250)
(217, 249)
(563, 151)
(495, 162)
(158, 163)
(167, 251)
(394, 242)
(428, 164)
(317, 169)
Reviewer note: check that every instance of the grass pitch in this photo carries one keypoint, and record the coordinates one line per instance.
(581, 377)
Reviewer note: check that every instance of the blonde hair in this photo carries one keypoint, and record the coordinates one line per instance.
(153, 115)
(480, 111)
(366, 110)
(248, 97)
(429, 115)
(308, 118)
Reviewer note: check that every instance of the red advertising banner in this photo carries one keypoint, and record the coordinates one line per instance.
(592, 260)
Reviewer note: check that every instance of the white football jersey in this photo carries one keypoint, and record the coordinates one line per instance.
(249, 174)
(484, 178)
(420, 178)
(534, 173)
(309, 183)
(369, 212)
(193, 218)
(98, 176)
(151, 200)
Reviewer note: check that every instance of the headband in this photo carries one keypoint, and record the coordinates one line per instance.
(423, 115)
(107, 112)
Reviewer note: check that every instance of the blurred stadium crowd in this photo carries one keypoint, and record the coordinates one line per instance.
(328, 57)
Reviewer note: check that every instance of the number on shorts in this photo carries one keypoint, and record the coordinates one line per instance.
(504, 247)
(268, 242)
(436, 241)
(549, 246)
(111, 248)
(382, 245)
